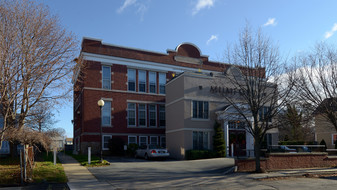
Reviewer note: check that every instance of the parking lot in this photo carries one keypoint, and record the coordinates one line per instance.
(134, 173)
(131, 173)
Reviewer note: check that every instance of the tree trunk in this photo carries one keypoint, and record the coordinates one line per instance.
(257, 151)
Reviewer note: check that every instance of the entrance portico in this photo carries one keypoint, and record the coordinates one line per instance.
(236, 131)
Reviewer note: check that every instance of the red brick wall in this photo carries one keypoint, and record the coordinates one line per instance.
(279, 161)
(93, 46)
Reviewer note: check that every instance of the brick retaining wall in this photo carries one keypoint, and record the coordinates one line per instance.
(279, 161)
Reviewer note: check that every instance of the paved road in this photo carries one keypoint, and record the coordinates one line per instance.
(198, 174)
(161, 174)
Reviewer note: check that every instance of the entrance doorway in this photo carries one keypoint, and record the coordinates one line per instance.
(238, 139)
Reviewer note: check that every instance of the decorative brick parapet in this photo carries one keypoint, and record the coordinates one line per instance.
(280, 161)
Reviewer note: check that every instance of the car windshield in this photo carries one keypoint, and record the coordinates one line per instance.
(154, 146)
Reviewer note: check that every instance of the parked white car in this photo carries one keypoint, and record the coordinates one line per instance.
(151, 151)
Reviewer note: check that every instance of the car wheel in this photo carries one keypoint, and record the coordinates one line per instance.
(146, 157)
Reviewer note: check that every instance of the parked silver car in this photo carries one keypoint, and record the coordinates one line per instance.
(152, 151)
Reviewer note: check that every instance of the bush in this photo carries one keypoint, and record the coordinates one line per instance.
(200, 154)
(132, 149)
(218, 141)
(323, 143)
(291, 143)
(296, 143)
(116, 146)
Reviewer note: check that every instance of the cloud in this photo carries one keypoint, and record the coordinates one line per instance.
(270, 22)
(126, 4)
(201, 4)
(328, 34)
(140, 7)
(212, 38)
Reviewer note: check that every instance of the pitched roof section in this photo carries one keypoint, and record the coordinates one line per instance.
(328, 104)
(186, 55)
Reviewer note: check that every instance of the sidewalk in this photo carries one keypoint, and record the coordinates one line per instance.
(293, 173)
(79, 177)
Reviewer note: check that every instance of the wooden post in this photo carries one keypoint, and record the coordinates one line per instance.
(89, 155)
(21, 166)
(54, 156)
(25, 162)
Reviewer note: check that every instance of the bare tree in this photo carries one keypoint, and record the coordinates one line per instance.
(316, 81)
(295, 124)
(262, 85)
(36, 56)
(40, 117)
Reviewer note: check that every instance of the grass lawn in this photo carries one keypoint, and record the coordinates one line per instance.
(83, 160)
(44, 171)
(9, 171)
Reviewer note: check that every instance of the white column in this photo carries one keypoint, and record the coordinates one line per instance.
(226, 136)
(250, 142)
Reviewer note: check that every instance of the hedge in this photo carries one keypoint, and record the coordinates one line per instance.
(200, 154)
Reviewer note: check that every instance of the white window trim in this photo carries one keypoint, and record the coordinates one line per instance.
(200, 119)
(147, 142)
(139, 71)
(132, 136)
(145, 110)
(161, 140)
(208, 138)
(106, 125)
(109, 77)
(135, 110)
(162, 74)
(135, 81)
(154, 137)
(156, 115)
(155, 82)
(160, 126)
(332, 142)
(103, 141)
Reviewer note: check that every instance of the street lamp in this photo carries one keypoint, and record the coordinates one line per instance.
(100, 103)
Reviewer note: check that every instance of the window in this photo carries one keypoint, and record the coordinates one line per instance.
(106, 114)
(163, 142)
(237, 124)
(106, 77)
(200, 109)
(141, 81)
(162, 116)
(334, 139)
(162, 82)
(105, 142)
(264, 114)
(142, 140)
(152, 82)
(200, 140)
(131, 114)
(154, 140)
(131, 80)
(152, 115)
(142, 115)
(132, 140)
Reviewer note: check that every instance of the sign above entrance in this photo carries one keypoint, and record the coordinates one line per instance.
(225, 90)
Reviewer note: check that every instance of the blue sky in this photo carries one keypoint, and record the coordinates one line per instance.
(158, 25)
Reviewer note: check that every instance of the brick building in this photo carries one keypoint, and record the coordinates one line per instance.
(132, 84)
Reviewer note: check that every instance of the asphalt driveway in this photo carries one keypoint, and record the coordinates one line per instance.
(140, 174)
